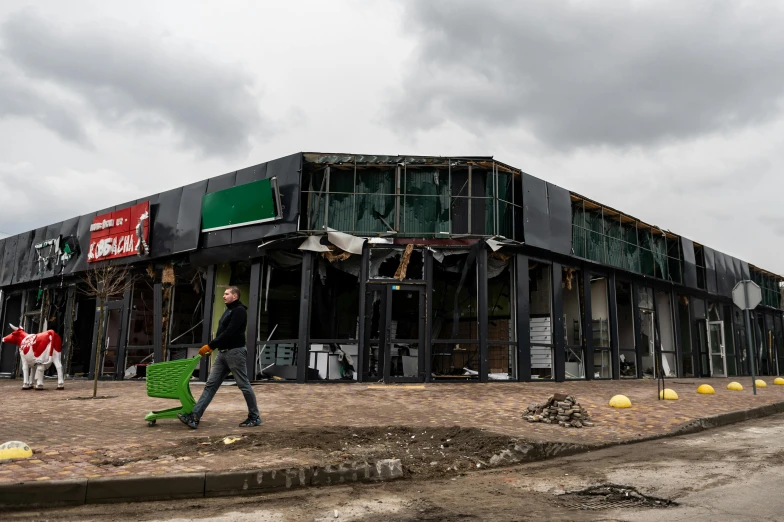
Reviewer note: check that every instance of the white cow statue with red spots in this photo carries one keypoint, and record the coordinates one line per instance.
(38, 352)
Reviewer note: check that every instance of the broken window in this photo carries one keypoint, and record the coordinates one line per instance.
(729, 339)
(626, 341)
(425, 201)
(278, 319)
(600, 327)
(666, 334)
(334, 321)
(501, 305)
(455, 330)
(397, 263)
(573, 308)
(699, 257)
(540, 303)
(186, 317)
(141, 328)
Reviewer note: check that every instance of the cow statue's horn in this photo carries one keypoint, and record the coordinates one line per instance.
(12, 326)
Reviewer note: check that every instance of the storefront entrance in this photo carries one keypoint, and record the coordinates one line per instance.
(110, 349)
(395, 333)
(716, 349)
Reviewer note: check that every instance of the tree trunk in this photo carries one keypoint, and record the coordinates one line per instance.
(97, 368)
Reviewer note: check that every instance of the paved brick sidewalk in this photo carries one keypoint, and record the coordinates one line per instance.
(84, 438)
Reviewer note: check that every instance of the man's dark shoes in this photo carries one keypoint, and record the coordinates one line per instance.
(189, 420)
(251, 422)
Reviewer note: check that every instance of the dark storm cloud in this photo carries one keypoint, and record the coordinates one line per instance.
(139, 80)
(593, 73)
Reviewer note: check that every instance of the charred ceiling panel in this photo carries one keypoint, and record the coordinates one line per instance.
(710, 270)
(9, 260)
(83, 235)
(24, 257)
(164, 222)
(287, 172)
(560, 206)
(535, 212)
(219, 237)
(689, 263)
(189, 218)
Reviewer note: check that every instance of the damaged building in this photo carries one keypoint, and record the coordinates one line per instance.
(388, 268)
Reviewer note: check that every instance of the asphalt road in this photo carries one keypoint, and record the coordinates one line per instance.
(732, 473)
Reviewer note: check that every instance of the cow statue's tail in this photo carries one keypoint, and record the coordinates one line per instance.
(57, 345)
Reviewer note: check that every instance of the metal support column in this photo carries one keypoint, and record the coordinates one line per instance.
(206, 330)
(363, 277)
(428, 348)
(676, 329)
(303, 342)
(637, 333)
(587, 332)
(614, 335)
(484, 350)
(253, 318)
(122, 342)
(523, 319)
(558, 339)
(65, 357)
(157, 335)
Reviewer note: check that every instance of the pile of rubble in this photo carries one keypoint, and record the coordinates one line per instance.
(560, 409)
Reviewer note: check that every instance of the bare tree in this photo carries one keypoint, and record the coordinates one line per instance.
(104, 281)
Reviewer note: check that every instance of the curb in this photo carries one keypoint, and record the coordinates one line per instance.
(192, 485)
(249, 482)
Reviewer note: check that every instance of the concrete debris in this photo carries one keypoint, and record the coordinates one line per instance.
(560, 409)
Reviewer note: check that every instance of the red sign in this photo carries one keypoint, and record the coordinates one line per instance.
(120, 234)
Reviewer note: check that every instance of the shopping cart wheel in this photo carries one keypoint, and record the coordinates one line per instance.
(151, 423)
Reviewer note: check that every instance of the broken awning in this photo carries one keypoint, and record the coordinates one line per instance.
(345, 242)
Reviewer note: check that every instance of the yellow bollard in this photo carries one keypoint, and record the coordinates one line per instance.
(778, 380)
(620, 401)
(706, 389)
(15, 450)
(735, 386)
(668, 395)
(760, 383)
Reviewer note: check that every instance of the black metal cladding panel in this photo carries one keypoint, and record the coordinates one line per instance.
(689, 263)
(83, 235)
(710, 271)
(722, 279)
(2, 251)
(535, 212)
(23, 265)
(738, 269)
(51, 232)
(39, 235)
(250, 174)
(9, 260)
(560, 206)
(219, 237)
(744, 267)
(164, 216)
(287, 170)
(189, 217)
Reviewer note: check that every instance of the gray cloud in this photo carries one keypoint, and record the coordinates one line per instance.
(586, 74)
(25, 100)
(138, 80)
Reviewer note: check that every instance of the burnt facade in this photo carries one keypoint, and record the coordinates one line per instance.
(392, 268)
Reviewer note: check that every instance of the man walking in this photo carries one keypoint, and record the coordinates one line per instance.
(232, 357)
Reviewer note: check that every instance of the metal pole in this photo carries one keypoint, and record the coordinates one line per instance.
(748, 338)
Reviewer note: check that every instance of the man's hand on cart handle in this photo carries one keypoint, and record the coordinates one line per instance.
(205, 350)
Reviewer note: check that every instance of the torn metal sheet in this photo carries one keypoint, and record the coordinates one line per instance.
(313, 244)
(493, 244)
(346, 242)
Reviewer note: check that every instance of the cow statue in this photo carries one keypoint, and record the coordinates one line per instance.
(38, 352)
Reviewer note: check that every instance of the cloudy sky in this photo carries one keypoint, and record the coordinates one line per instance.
(668, 110)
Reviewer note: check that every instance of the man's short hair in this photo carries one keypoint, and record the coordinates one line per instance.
(234, 290)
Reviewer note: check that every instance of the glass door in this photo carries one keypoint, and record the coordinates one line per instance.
(111, 341)
(718, 361)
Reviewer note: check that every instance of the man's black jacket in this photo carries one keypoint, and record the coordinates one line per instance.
(231, 327)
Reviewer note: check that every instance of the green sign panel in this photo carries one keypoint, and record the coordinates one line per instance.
(248, 204)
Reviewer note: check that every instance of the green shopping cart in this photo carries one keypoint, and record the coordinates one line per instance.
(171, 380)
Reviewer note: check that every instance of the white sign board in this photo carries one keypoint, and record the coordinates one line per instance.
(746, 289)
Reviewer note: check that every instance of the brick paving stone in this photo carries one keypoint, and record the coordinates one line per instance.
(73, 438)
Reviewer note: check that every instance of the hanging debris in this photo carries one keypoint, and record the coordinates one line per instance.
(400, 274)
(168, 274)
(331, 256)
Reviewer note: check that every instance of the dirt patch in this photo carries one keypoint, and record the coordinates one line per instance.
(423, 452)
